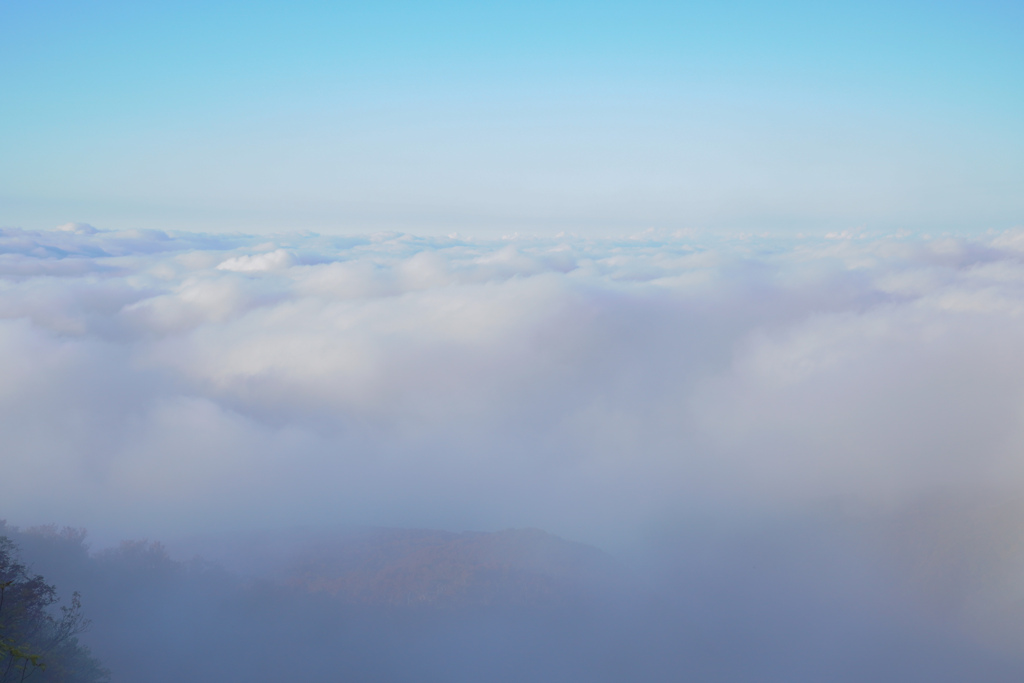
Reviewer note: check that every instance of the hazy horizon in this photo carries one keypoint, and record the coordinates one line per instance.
(600, 118)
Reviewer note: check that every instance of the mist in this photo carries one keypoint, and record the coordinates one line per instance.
(800, 454)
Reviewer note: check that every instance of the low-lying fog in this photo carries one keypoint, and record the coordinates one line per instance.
(770, 459)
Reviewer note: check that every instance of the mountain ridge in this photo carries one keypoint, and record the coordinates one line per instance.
(421, 567)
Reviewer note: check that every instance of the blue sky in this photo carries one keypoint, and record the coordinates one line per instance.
(434, 117)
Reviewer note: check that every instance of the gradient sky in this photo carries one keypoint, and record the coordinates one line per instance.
(592, 117)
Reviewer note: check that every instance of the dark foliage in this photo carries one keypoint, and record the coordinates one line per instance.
(38, 642)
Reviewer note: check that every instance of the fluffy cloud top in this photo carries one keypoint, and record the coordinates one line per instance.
(157, 383)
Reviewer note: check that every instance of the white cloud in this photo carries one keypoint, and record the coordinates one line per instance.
(160, 382)
(255, 263)
(78, 228)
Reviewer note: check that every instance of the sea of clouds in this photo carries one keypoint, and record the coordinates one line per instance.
(156, 383)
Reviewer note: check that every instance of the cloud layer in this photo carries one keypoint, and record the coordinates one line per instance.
(154, 383)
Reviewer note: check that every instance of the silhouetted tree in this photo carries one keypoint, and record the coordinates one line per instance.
(37, 641)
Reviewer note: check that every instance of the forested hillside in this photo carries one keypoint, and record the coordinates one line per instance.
(395, 605)
(928, 593)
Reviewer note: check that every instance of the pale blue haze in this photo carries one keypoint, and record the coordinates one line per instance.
(531, 117)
